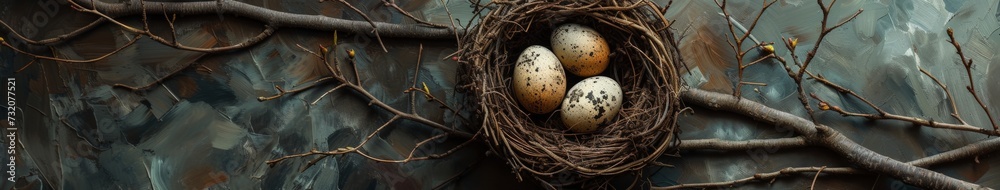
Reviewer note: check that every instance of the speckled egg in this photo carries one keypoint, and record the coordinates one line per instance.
(539, 81)
(580, 49)
(590, 103)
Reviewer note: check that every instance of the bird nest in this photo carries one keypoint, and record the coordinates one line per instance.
(642, 61)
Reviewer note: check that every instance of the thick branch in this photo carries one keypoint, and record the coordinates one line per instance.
(827, 137)
(967, 151)
(274, 18)
(718, 144)
(763, 177)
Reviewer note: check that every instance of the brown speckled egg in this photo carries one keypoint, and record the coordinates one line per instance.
(590, 103)
(580, 49)
(539, 81)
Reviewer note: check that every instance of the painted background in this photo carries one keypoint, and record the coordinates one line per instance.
(204, 128)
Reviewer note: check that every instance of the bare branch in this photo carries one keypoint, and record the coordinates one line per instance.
(811, 186)
(841, 89)
(282, 92)
(267, 32)
(823, 32)
(737, 40)
(954, 108)
(882, 114)
(392, 4)
(718, 144)
(822, 135)
(57, 39)
(275, 18)
(916, 121)
(365, 16)
(102, 57)
(790, 44)
(968, 151)
(372, 100)
(972, 86)
(763, 177)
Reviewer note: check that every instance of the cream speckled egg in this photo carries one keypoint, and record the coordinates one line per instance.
(539, 80)
(580, 49)
(590, 103)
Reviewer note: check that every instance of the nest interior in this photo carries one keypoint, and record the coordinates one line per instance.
(642, 61)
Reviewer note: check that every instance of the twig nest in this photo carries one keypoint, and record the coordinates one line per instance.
(640, 60)
(591, 102)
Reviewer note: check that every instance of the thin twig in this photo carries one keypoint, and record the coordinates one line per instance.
(282, 92)
(841, 89)
(813, 185)
(26, 65)
(354, 65)
(882, 114)
(102, 57)
(824, 105)
(824, 30)
(151, 84)
(427, 94)
(372, 100)
(170, 22)
(954, 108)
(736, 43)
(392, 4)
(57, 39)
(413, 85)
(327, 93)
(968, 70)
(458, 40)
(365, 16)
(358, 150)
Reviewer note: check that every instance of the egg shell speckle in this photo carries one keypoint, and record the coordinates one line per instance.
(581, 49)
(591, 102)
(539, 81)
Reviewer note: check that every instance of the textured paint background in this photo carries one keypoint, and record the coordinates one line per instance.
(204, 128)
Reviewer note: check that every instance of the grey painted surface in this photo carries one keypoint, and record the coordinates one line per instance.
(83, 134)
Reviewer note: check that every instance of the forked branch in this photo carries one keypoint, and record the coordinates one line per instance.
(736, 42)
